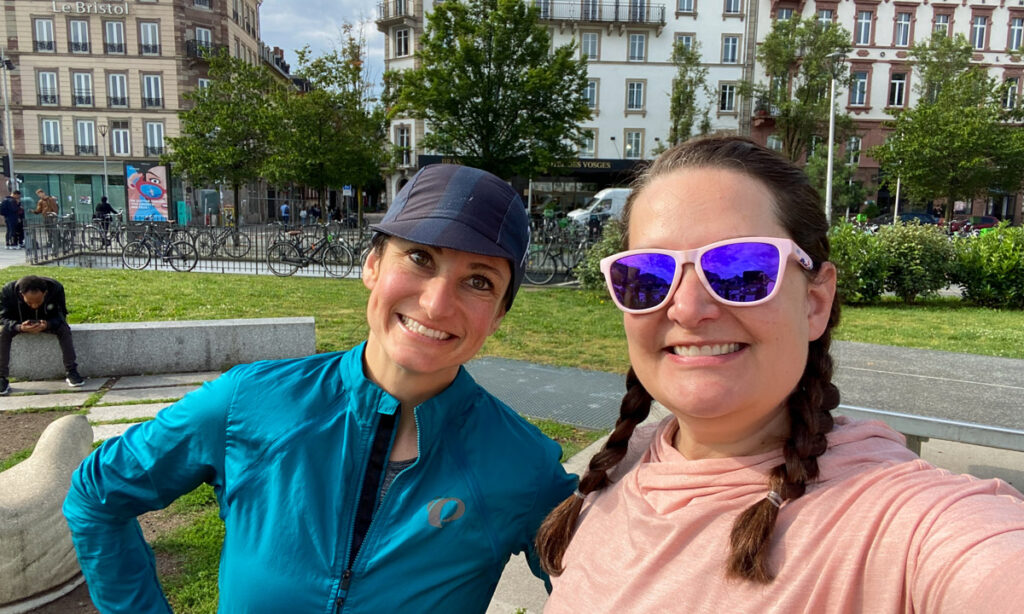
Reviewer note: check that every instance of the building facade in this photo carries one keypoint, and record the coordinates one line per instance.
(628, 45)
(93, 85)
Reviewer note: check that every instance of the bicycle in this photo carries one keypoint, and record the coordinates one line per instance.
(285, 256)
(181, 255)
(230, 240)
(108, 233)
(559, 253)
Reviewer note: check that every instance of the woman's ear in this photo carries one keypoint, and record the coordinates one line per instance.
(821, 292)
(371, 269)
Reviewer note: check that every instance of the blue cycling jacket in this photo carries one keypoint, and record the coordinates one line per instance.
(285, 445)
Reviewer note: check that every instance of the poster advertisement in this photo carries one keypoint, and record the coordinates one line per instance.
(147, 191)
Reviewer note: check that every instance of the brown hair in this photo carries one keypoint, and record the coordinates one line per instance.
(798, 208)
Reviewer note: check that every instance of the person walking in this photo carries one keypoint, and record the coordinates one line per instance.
(285, 210)
(379, 479)
(9, 210)
(34, 305)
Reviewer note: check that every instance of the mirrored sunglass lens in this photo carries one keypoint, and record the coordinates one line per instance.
(742, 272)
(642, 281)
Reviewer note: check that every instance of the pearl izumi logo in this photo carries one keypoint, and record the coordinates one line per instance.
(442, 511)
(90, 8)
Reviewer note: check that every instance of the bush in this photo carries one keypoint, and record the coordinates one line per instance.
(919, 259)
(860, 261)
(589, 271)
(990, 267)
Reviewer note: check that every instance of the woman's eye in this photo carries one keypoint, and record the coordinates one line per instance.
(478, 282)
(419, 257)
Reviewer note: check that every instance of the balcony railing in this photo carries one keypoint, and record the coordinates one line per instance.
(154, 151)
(391, 10)
(117, 101)
(83, 100)
(152, 103)
(115, 47)
(85, 150)
(79, 47)
(199, 49)
(44, 45)
(149, 49)
(52, 148)
(623, 11)
(47, 98)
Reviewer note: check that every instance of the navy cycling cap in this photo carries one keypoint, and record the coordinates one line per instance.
(463, 208)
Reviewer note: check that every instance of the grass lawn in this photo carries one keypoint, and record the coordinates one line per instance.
(556, 326)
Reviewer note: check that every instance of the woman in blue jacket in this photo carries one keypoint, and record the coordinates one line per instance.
(382, 479)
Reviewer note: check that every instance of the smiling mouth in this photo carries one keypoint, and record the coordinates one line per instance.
(420, 329)
(705, 350)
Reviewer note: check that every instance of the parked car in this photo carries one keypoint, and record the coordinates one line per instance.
(607, 203)
(977, 222)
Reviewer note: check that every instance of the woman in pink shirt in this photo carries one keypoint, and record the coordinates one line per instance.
(751, 496)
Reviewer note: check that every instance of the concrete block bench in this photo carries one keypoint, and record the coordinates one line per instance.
(135, 348)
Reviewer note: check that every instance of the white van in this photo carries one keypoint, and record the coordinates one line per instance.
(608, 203)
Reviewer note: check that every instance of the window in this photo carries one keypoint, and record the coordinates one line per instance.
(1016, 34)
(114, 36)
(120, 138)
(732, 7)
(85, 137)
(404, 144)
(730, 49)
(202, 3)
(1010, 95)
(401, 42)
(82, 94)
(149, 38)
(154, 138)
(234, 9)
(634, 95)
(591, 10)
(202, 84)
(901, 38)
(684, 6)
(774, 143)
(78, 30)
(117, 90)
(859, 88)
(897, 89)
(48, 88)
(152, 91)
(825, 16)
(784, 14)
(862, 29)
(637, 47)
(638, 10)
(51, 136)
(979, 27)
(588, 148)
(853, 151)
(634, 145)
(685, 39)
(941, 24)
(44, 35)
(204, 38)
(588, 45)
(727, 98)
(590, 93)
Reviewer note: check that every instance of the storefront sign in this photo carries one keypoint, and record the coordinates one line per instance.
(89, 8)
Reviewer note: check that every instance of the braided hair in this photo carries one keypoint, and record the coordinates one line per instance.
(798, 208)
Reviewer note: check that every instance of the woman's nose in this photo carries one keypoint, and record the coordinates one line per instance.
(438, 297)
(692, 302)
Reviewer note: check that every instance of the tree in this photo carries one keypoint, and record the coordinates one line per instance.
(329, 136)
(938, 60)
(848, 193)
(691, 80)
(492, 91)
(958, 147)
(799, 57)
(224, 135)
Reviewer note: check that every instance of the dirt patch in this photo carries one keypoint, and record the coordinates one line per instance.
(19, 431)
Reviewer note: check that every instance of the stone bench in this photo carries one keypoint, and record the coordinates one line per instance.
(136, 348)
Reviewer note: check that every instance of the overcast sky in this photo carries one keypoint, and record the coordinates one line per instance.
(290, 24)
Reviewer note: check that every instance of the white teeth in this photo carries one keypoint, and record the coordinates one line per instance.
(705, 350)
(418, 328)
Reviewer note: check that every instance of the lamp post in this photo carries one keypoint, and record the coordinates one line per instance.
(836, 61)
(103, 137)
(8, 66)
(617, 154)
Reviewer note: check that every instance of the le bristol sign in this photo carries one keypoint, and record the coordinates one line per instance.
(90, 8)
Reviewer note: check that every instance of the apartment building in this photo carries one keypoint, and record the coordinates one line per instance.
(628, 45)
(95, 85)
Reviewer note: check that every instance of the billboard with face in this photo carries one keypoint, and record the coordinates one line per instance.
(148, 191)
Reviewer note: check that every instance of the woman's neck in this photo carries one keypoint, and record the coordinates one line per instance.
(408, 387)
(699, 438)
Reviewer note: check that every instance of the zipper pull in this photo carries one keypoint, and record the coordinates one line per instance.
(346, 579)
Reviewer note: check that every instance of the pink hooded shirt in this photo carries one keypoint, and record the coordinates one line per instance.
(879, 531)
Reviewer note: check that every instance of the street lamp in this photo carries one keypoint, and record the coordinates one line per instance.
(103, 137)
(8, 66)
(617, 154)
(835, 65)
